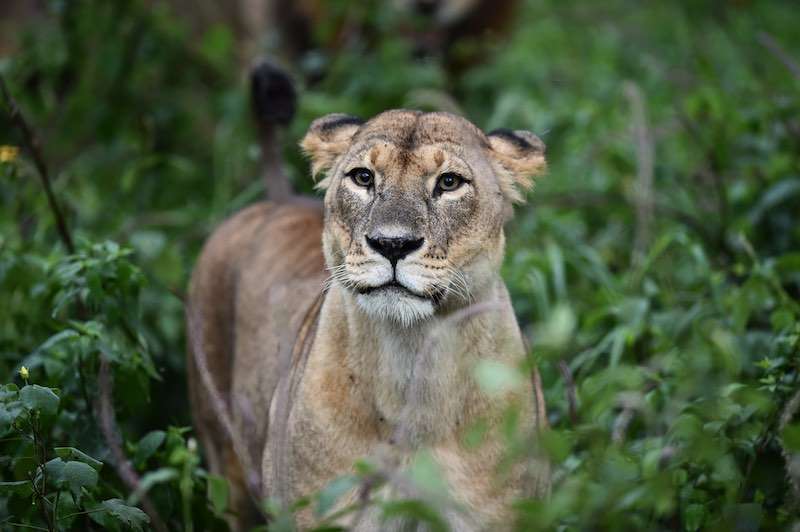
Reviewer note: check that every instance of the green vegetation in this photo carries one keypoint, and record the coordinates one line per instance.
(656, 267)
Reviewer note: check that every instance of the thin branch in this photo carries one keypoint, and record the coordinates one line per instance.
(40, 454)
(787, 414)
(792, 472)
(86, 512)
(621, 424)
(22, 525)
(643, 194)
(569, 390)
(768, 41)
(32, 145)
(108, 426)
(364, 491)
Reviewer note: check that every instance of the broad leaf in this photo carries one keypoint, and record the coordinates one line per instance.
(39, 398)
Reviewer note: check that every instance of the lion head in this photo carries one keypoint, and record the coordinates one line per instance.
(415, 205)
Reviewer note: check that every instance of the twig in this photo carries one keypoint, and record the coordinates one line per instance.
(31, 143)
(84, 389)
(40, 454)
(643, 195)
(569, 390)
(55, 505)
(621, 424)
(787, 414)
(22, 525)
(108, 426)
(767, 41)
(86, 512)
(364, 492)
(792, 406)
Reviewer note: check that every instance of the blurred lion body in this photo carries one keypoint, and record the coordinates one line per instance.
(316, 376)
(245, 294)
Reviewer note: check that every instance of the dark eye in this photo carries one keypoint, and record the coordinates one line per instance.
(448, 182)
(362, 177)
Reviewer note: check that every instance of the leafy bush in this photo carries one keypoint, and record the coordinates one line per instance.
(656, 269)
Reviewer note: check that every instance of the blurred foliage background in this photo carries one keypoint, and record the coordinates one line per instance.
(655, 269)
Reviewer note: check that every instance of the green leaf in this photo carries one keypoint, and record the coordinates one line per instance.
(39, 398)
(426, 473)
(330, 494)
(150, 479)
(416, 511)
(780, 192)
(556, 333)
(693, 517)
(495, 377)
(22, 488)
(55, 471)
(788, 264)
(791, 437)
(9, 391)
(217, 493)
(148, 445)
(130, 517)
(78, 475)
(57, 338)
(9, 412)
(71, 453)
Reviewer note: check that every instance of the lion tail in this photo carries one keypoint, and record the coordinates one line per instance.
(274, 101)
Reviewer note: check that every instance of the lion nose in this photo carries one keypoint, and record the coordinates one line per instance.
(395, 248)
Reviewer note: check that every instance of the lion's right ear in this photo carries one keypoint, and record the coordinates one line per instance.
(327, 138)
(518, 156)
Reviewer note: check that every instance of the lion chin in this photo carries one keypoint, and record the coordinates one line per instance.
(396, 305)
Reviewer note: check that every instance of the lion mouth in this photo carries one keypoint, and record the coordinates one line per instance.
(395, 286)
(391, 286)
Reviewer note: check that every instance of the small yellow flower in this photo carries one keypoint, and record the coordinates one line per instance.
(23, 372)
(8, 154)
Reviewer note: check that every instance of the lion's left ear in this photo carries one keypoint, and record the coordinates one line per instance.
(327, 138)
(517, 157)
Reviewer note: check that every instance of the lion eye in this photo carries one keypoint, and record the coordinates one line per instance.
(448, 182)
(362, 177)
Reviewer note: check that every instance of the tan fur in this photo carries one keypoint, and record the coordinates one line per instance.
(318, 380)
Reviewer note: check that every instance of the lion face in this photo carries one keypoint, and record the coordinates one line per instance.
(415, 205)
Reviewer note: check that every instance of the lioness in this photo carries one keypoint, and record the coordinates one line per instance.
(352, 328)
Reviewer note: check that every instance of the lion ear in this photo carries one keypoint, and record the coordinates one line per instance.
(327, 138)
(517, 157)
